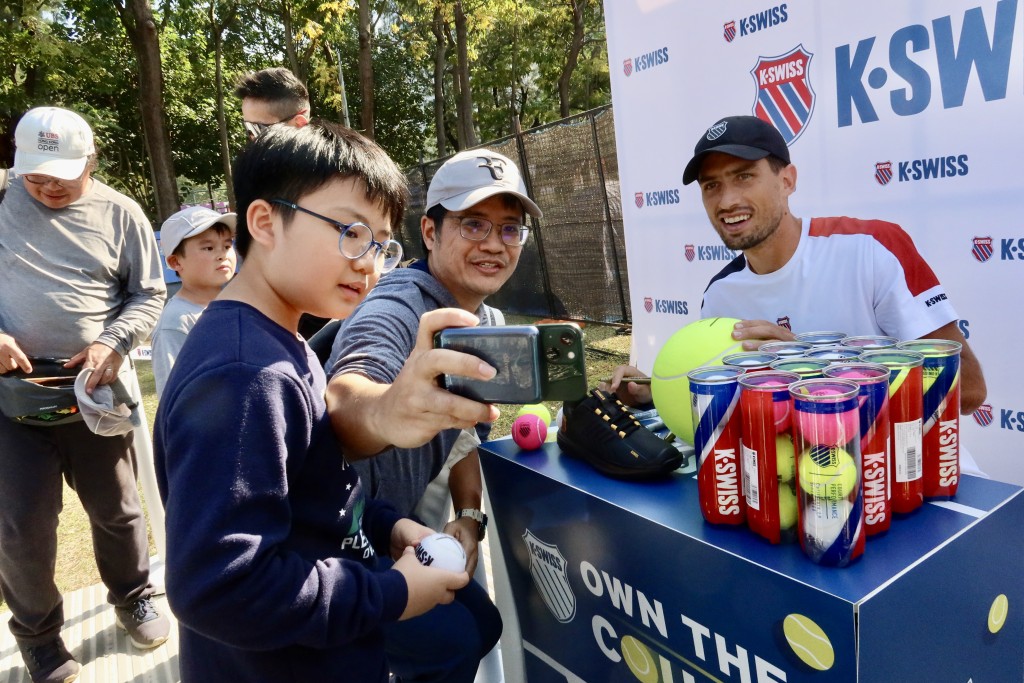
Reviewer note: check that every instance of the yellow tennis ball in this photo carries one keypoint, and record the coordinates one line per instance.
(827, 472)
(787, 506)
(997, 613)
(538, 409)
(809, 642)
(639, 660)
(704, 342)
(785, 457)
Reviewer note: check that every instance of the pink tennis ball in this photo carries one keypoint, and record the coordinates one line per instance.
(827, 430)
(529, 431)
(780, 409)
(852, 373)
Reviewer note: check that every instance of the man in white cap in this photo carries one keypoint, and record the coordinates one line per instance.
(82, 281)
(473, 231)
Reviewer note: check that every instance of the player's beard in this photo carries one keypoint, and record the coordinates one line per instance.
(749, 240)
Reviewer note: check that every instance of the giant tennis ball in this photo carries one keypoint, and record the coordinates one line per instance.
(704, 342)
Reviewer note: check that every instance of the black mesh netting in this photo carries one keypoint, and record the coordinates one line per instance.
(574, 265)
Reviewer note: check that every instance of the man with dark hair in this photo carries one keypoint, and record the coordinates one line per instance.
(272, 97)
(82, 281)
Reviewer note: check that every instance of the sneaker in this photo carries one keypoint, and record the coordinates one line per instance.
(602, 431)
(146, 627)
(50, 662)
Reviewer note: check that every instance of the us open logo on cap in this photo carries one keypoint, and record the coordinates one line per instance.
(883, 172)
(784, 97)
(548, 568)
(983, 415)
(718, 130)
(729, 31)
(627, 66)
(982, 249)
(690, 252)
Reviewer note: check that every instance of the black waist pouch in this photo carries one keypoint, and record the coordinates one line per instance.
(43, 398)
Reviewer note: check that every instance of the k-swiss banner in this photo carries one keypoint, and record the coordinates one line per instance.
(904, 112)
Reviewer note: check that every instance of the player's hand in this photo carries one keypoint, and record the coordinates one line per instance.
(427, 586)
(630, 393)
(405, 533)
(104, 361)
(414, 408)
(11, 356)
(466, 531)
(753, 333)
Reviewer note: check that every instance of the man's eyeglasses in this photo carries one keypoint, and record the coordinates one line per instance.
(37, 179)
(254, 129)
(355, 239)
(477, 230)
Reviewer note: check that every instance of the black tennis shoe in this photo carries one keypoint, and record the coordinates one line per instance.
(601, 431)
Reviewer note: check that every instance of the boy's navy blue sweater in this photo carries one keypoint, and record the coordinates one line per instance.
(271, 562)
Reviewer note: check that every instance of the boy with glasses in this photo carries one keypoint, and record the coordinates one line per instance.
(474, 231)
(273, 550)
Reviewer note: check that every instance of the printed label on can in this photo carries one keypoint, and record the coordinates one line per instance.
(908, 450)
(751, 490)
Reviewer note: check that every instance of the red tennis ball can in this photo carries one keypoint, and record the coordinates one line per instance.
(876, 478)
(765, 409)
(941, 406)
(529, 431)
(906, 408)
(715, 398)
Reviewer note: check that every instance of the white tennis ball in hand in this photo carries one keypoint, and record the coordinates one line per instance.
(442, 552)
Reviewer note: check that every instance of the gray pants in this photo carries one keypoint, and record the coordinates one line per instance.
(101, 470)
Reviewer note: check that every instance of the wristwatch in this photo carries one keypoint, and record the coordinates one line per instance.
(479, 516)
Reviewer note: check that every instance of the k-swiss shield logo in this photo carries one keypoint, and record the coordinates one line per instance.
(729, 31)
(983, 415)
(548, 568)
(627, 66)
(690, 252)
(648, 304)
(982, 249)
(638, 197)
(784, 97)
(883, 172)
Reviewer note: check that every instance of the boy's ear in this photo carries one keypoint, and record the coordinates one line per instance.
(174, 263)
(429, 232)
(260, 220)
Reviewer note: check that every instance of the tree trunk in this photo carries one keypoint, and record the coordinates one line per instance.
(366, 68)
(572, 58)
(440, 63)
(137, 18)
(222, 122)
(464, 103)
(289, 38)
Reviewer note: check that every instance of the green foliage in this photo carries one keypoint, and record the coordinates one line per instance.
(74, 53)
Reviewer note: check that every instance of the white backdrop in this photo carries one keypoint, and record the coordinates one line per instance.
(933, 91)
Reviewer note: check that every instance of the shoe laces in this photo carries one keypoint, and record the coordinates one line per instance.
(48, 656)
(616, 415)
(143, 610)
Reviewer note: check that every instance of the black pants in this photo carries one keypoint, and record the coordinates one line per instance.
(101, 470)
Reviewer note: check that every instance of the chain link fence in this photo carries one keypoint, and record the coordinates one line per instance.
(574, 265)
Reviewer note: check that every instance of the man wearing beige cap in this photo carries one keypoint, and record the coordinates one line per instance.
(473, 231)
(82, 282)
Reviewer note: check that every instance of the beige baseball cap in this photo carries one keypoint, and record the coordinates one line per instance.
(54, 142)
(472, 176)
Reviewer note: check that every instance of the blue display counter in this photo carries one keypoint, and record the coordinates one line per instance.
(621, 581)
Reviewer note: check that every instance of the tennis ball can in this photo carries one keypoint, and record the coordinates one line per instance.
(765, 409)
(906, 408)
(715, 399)
(940, 431)
(876, 477)
(830, 502)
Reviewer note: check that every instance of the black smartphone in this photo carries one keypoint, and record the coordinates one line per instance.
(534, 362)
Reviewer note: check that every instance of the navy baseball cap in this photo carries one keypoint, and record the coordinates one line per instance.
(746, 137)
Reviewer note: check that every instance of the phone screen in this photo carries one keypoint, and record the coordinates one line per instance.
(511, 350)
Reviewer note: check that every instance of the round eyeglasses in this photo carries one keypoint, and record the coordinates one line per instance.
(356, 239)
(477, 230)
